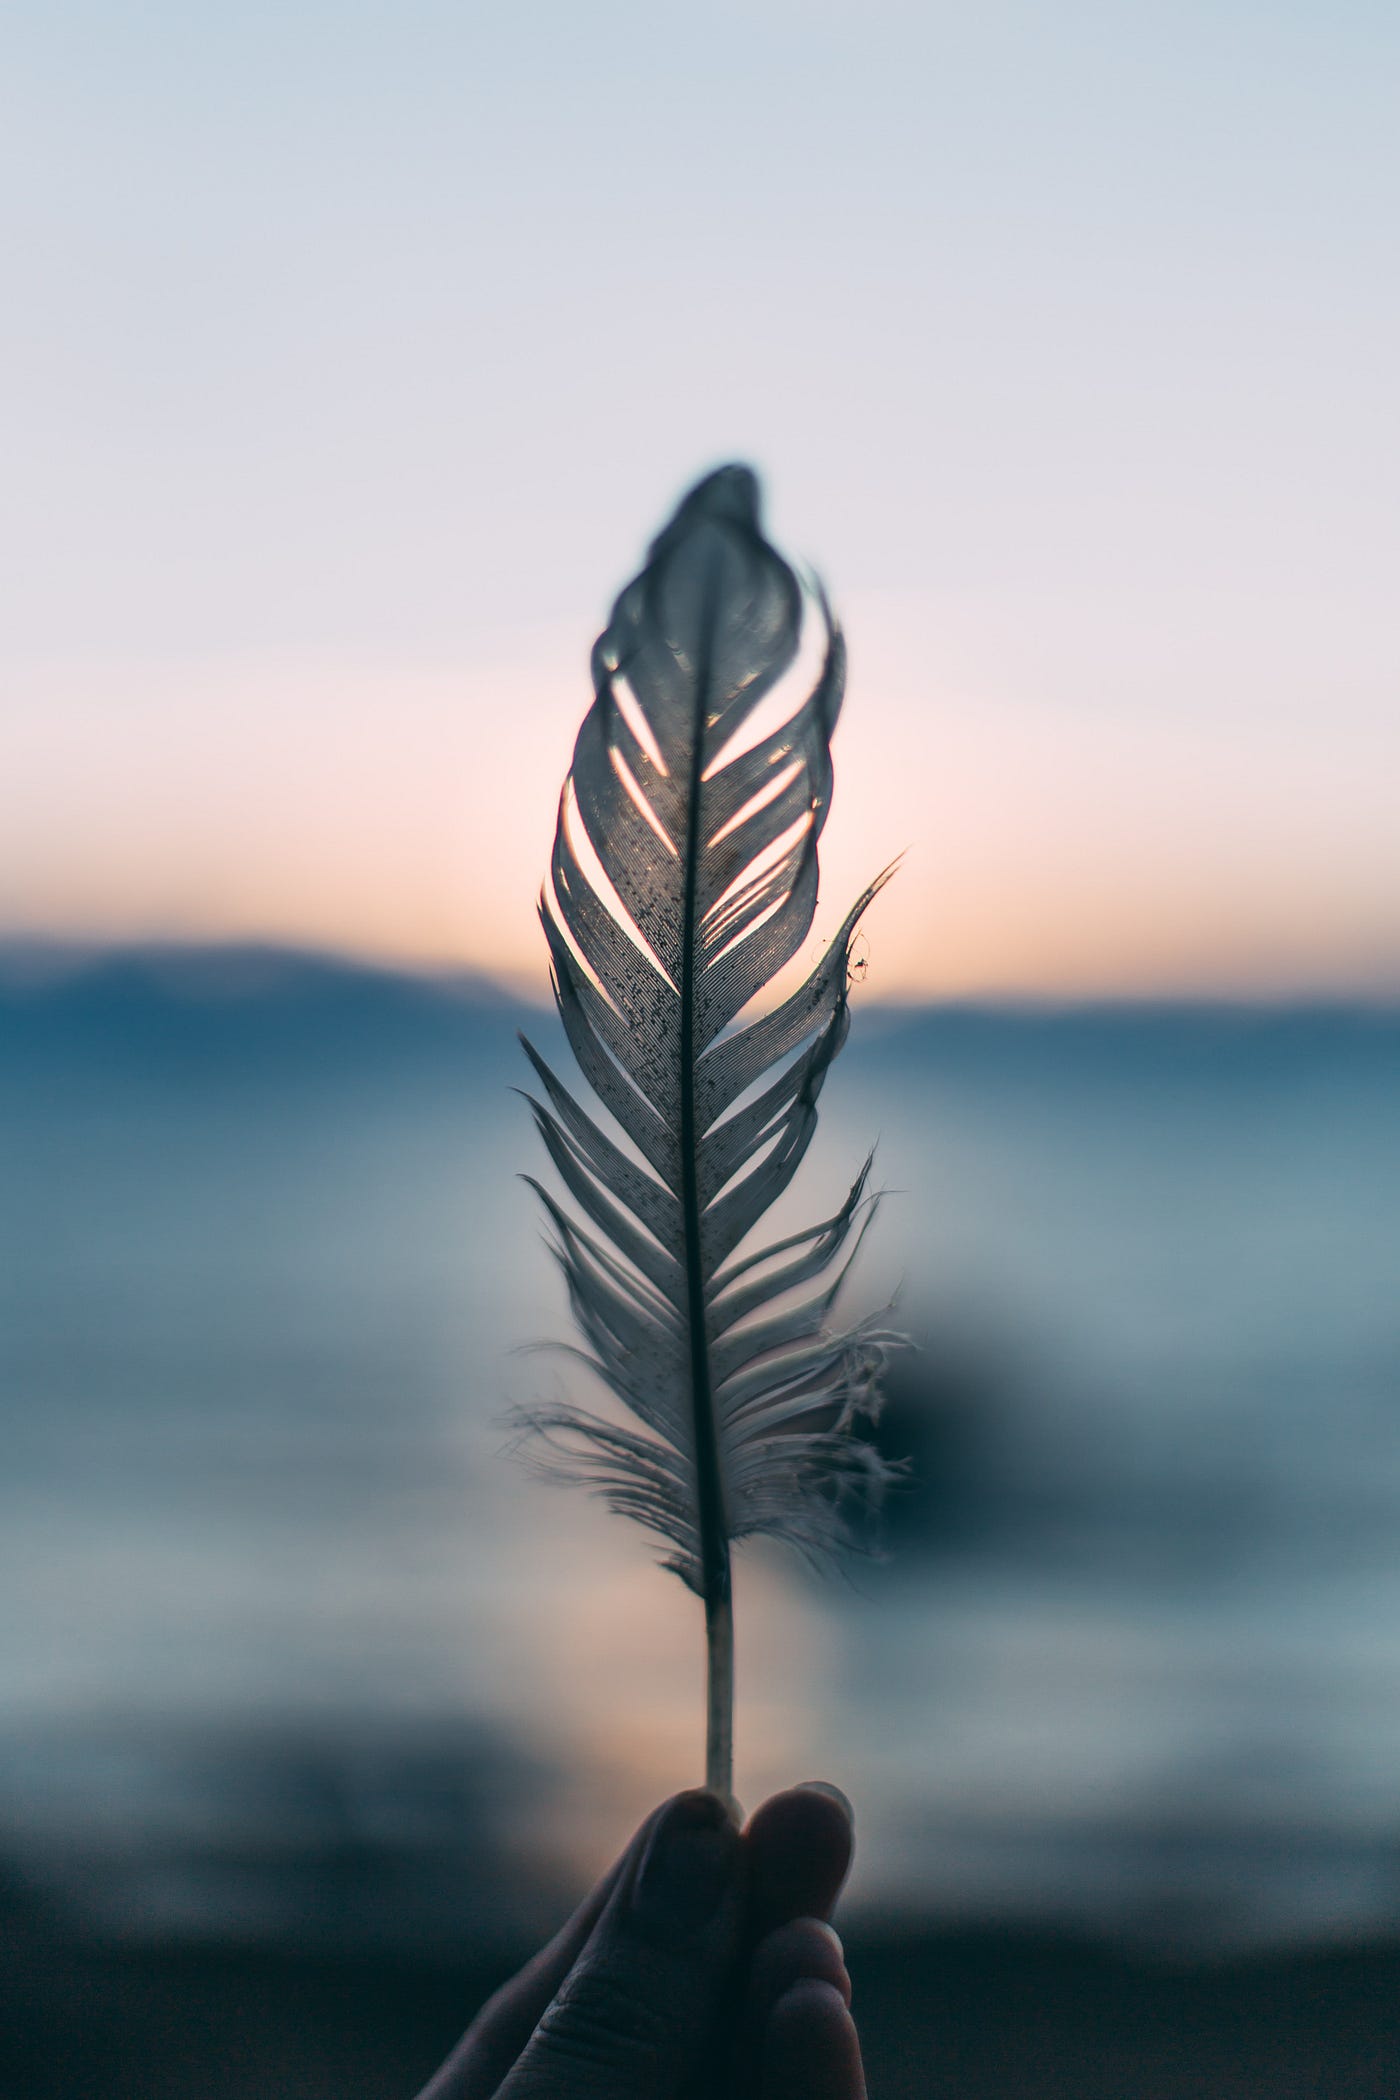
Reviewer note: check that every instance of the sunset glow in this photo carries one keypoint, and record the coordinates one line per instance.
(312, 523)
(1052, 845)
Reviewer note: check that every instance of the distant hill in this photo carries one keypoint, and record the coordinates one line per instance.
(173, 1008)
(219, 972)
(1131, 1039)
(170, 1009)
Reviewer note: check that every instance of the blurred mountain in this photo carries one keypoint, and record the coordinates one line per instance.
(1129, 1040)
(165, 1010)
(158, 1002)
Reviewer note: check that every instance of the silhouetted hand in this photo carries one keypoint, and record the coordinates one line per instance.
(701, 1966)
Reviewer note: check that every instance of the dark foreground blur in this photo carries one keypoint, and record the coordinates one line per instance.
(315, 1711)
(989, 2016)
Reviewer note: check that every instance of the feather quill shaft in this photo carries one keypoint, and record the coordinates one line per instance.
(703, 886)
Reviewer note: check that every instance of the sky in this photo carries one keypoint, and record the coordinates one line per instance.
(352, 353)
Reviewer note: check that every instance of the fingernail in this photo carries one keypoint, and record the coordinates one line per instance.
(824, 1786)
(688, 1865)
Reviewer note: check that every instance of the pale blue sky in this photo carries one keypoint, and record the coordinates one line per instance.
(351, 353)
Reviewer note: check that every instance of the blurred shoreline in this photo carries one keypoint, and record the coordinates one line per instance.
(975, 2014)
(291, 1658)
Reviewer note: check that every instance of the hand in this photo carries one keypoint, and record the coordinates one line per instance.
(701, 1965)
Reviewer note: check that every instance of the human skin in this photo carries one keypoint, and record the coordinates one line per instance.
(702, 1966)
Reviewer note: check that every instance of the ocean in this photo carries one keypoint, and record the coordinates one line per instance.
(293, 1643)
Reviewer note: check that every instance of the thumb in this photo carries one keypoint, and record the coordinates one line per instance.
(637, 2010)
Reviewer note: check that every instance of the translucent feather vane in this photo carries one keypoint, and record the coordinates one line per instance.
(738, 1398)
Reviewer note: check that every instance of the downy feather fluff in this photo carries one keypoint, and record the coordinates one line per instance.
(741, 1396)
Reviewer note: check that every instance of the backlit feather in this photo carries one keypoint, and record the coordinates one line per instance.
(740, 1398)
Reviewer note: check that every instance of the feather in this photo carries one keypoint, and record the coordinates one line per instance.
(742, 1398)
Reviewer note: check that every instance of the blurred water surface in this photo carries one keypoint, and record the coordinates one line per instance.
(289, 1644)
